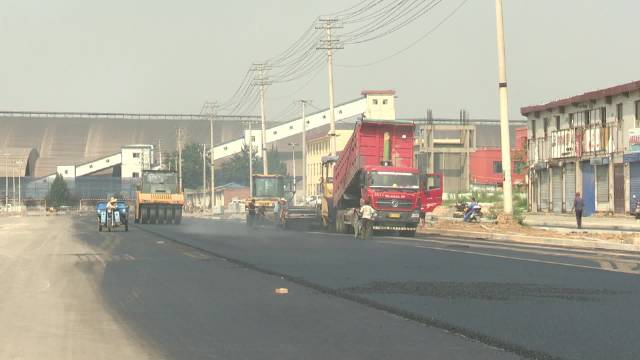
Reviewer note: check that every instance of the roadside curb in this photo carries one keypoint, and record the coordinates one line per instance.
(563, 242)
(572, 226)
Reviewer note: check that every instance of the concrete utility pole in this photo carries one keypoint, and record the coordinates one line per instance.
(6, 180)
(330, 44)
(304, 149)
(504, 113)
(19, 163)
(160, 153)
(250, 161)
(204, 169)
(13, 184)
(293, 165)
(262, 81)
(179, 164)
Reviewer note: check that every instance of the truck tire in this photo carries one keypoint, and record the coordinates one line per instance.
(162, 214)
(153, 214)
(178, 219)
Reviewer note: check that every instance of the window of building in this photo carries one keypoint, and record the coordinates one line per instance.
(546, 126)
(384, 102)
(533, 129)
(375, 101)
(603, 116)
(497, 167)
(135, 174)
(518, 167)
(619, 109)
(587, 117)
(557, 123)
(66, 172)
(136, 155)
(253, 139)
(570, 121)
(638, 113)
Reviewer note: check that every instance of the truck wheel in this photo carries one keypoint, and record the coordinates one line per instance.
(178, 218)
(146, 213)
(153, 217)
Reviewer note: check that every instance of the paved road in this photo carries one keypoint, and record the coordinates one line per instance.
(205, 289)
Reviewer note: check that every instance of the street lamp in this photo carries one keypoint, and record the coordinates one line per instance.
(293, 164)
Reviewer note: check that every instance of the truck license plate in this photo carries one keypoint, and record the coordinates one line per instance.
(394, 216)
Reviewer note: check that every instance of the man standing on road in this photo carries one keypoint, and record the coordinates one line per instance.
(578, 206)
(368, 214)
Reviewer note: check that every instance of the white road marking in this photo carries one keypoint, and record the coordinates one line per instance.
(529, 260)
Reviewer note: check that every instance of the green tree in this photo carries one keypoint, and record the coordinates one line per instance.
(191, 165)
(236, 168)
(59, 193)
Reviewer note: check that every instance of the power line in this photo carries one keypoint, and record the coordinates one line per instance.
(412, 44)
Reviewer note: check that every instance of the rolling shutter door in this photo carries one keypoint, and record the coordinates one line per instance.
(588, 188)
(602, 183)
(544, 190)
(634, 168)
(556, 183)
(569, 185)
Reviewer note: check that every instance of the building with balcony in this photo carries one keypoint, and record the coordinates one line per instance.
(587, 143)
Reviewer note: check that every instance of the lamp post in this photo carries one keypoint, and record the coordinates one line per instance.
(293, 164)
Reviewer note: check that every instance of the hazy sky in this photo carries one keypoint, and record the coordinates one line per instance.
(171, 56)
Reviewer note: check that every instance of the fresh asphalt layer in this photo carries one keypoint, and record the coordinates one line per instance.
(206, 290)
(186, 303)
(534, 301)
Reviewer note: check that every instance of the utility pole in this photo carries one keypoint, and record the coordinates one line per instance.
(250, 161)
(204, 169)
(179, 164)
(160, 153)
(261, 80)
(6, 180)
(211, 109)
(19, 163)
(504, 112)
(293, 165)
(13, 184)
(304, 149)
(330, 44)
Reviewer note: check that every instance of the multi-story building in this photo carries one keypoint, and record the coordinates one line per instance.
(588, 143)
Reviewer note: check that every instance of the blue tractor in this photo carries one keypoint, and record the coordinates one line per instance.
(112, 218)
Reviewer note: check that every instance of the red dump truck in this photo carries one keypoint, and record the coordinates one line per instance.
(376, 165)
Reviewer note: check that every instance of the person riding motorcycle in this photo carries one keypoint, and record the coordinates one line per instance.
(112, 204)
(470, 208)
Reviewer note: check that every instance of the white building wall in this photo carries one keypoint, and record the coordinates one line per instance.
(135, 159)
(621, 140)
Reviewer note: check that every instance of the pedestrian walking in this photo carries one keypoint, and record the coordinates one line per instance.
(578, 206)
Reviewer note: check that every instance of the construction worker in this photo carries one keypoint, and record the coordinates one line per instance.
(368, 215)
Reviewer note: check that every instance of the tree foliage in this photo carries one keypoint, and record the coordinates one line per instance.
(234, 169)
(59, 193)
